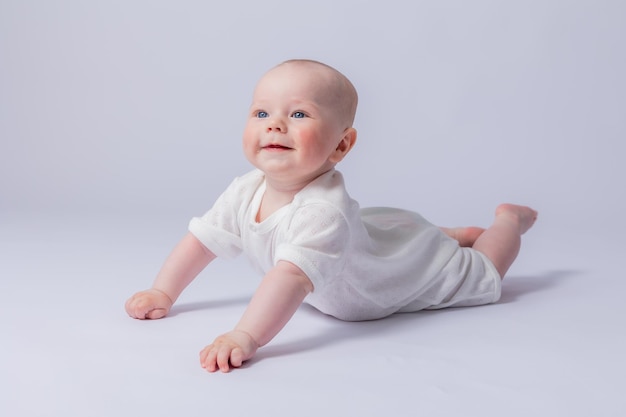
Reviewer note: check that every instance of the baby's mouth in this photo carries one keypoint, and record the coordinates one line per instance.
(275, 146)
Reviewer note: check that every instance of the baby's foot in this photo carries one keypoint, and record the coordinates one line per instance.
(466, 236)
(524, 216)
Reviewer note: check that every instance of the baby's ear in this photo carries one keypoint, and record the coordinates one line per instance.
(347, 142)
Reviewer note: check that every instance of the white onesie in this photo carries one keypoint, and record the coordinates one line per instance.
(364, 263)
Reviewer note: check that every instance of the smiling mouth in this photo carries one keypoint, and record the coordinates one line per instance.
(276, 147)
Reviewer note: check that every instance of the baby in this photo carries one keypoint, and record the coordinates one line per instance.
(299, 227)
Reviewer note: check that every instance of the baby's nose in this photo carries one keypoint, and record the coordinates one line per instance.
(276, 125)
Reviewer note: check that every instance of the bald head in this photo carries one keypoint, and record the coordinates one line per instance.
(338, 93)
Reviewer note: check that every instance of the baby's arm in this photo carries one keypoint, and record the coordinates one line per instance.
(278, 297)
(185, 262)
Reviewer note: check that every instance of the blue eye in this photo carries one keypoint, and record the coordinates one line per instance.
(262, 114)
(298, 115)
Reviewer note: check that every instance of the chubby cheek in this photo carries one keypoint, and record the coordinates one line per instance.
(317, 143)
(249, 143)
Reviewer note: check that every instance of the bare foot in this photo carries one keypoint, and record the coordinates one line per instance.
(523, 216)
(466, 236)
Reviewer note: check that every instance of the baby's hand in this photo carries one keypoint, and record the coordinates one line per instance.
(149, 304)
(228, 351)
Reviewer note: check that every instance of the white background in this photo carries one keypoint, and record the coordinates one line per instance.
(120, 120)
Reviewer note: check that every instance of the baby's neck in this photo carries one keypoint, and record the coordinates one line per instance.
(278, 194)
(273, 201)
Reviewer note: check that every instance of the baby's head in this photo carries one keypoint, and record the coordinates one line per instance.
(330, 87)
(300, 121)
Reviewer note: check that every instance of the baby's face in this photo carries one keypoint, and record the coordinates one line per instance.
(293, 128)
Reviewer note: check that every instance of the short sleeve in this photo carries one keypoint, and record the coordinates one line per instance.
(218, 229)
(315, 241)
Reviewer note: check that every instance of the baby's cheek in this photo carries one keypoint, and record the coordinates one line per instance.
(317, 143)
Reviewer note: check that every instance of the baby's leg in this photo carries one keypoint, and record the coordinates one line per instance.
(501, 242)
(466, 236)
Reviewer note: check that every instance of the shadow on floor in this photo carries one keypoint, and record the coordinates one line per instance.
(517, 286)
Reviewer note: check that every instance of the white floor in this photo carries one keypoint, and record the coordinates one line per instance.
(552, 346)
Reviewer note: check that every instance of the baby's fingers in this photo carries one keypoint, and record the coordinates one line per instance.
(157, 313)
(139, 307)
(149, 304)
(132, 307)
(208, 358)
(236, 358)
(221, 357)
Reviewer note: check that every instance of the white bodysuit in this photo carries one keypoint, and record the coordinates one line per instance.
(364, 263)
